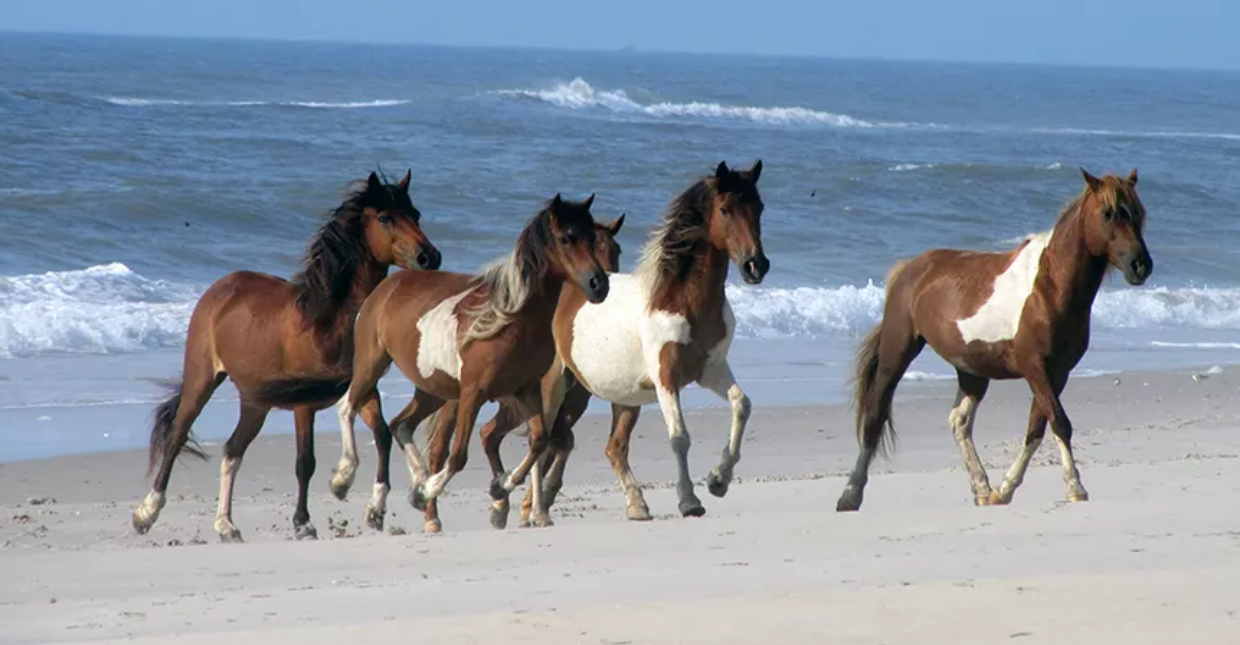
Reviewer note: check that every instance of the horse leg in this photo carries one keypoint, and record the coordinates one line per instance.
(972, 389)
(1016, 474)
(466, 414)
(376, 508)
(537, 405)
(718, 378)
(370, 362)
(303, 420)
(403, 424)
(1046, 391)
(248, 425)
(346, 470)
(678, 436)
(884, 358)
(505, 420)
(576, 400)
(186, 404)
(623, 420)
(441, 424)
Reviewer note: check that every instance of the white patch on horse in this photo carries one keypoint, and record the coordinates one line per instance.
(437, 346)
(998, 319)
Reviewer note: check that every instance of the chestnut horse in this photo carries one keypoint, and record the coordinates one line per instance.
(666, 326)
(507, 418)
(259, 329)
(1021, 314)
(473, 339)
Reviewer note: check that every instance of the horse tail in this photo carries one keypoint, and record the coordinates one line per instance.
(293, 392)
(165, 417)
(875, 428)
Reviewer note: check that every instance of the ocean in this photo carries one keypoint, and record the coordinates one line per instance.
(134, 172)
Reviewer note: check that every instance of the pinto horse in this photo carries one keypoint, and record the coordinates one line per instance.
(259, 329)
(473, 339)
(666, 326)
(506, 419)
(1021, 314)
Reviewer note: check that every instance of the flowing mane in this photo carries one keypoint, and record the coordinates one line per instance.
(331, 264)
(669, 253)
(510, 282)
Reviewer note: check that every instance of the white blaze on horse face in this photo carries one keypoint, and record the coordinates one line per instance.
(437, 346)
(998, 319)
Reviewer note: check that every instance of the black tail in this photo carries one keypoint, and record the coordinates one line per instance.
(289, 393)
(879, 435)
(165, 418)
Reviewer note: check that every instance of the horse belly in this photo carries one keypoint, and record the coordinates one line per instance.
(607, 349)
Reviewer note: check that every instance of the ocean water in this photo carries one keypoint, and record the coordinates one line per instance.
(134, 172)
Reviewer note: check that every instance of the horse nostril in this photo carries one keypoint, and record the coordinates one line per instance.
(423, 259)
(594, 283)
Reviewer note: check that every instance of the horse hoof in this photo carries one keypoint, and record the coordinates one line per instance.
(639, 514)
(984, 500)
(1081, 496)
(432, 527)
(848, 504)
(374, 519)
(140, 526)
(499, 518)
(692, 509)
(305, 532)
(716, 485)
(498, 492)
(996, 499)
(540, 520)
(340, 489)
(417, 498)
(232, 536)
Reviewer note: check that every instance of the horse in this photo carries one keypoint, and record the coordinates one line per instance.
(472, 339)
(259, 329)
(1020, 314)
(507, 418)
(666, 326)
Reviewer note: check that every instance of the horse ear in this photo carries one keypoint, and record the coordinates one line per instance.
(373, 183)
(589, 201)
(755, 171)
(721, 170)
(556, 202)
(614, 227)
(1132, 177)
(403, 184)
(1091, 180)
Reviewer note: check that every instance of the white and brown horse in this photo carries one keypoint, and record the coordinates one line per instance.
(1021, 314)
(507, 418)
(474, 339)
(669, 325)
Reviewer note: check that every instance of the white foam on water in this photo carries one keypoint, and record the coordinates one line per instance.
(140, 102)
(578, 94)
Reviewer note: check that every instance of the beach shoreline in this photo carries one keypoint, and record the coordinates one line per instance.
(1150, 556)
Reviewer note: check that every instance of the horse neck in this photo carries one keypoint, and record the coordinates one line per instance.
(701, 289)
(1075, 274)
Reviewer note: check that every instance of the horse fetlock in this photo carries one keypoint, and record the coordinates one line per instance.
(499, 487)
(717, 483)
(147, 513)
(342, 479)
(418, 498)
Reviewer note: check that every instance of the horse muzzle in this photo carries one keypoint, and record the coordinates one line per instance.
(1137, 269)
(427, 259)
(595, 285)
(754, 268)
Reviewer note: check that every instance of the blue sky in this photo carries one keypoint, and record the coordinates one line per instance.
(1144, 33)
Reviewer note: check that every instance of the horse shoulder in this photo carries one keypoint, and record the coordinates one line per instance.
(1011, 279)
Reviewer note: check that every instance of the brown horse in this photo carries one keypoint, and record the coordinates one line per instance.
(259, 329)
(507, 418)
(1021, 314)
(666, 326)
(476, 338)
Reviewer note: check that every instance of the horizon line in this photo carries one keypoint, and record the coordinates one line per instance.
(624, 50)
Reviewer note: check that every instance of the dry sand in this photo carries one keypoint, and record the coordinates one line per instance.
(1153, 558)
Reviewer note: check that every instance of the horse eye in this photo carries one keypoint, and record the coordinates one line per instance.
(723, 210)
(565, 240)
(385, 219)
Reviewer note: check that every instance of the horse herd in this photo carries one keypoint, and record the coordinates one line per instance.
(552, 324)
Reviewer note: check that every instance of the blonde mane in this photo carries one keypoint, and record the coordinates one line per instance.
(671, 244)
(509, 283)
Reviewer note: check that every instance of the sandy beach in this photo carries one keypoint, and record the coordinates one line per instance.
(1154, 557)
